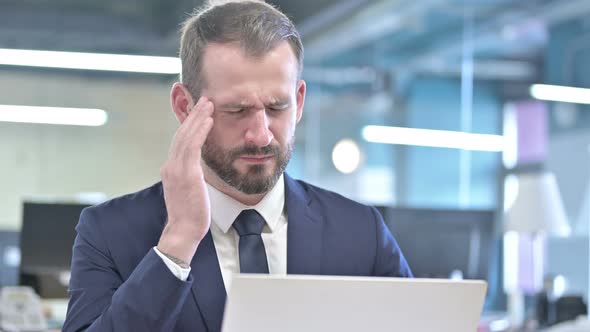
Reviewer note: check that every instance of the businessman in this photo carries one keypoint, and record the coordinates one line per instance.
(161, 259)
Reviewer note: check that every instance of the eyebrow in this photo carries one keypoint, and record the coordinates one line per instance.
(236, 105)
(277, 103)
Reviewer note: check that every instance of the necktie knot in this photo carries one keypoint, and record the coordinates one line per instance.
(249, 222)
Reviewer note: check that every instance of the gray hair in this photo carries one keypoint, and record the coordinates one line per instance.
(254, 25)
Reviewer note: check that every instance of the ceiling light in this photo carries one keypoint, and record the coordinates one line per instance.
(53, 115)
(346, 156)
(90, 61)
(433, 138)
(565, 94)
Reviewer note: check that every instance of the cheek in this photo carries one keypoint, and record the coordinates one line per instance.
(284, 130)
(224, 125)
(228, 124)
(215, 136)
(224, 136)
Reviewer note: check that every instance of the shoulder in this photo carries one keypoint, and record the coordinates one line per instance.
(123, 229)
(142, 200)
(330, 198)
(336, 207)
(143, 207)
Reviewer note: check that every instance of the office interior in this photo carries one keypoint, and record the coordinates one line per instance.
(465, 122)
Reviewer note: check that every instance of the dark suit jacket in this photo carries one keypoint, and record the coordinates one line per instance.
(119, 283)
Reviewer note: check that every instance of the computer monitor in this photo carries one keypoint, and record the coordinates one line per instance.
(47, 236)
(443, 243)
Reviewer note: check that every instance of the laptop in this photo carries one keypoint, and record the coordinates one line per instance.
(329, 303)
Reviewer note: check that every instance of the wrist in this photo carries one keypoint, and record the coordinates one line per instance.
(178, 246)
(176, 260)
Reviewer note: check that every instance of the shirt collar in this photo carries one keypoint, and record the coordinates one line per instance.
(225, 210)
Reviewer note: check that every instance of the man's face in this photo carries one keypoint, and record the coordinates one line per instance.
(258, 102)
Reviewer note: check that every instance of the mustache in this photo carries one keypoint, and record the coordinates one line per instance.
(255, 151)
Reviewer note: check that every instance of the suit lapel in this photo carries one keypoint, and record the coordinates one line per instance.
(304, 233)
(208, 289)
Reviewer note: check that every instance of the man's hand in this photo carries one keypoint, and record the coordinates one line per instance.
(185, 191)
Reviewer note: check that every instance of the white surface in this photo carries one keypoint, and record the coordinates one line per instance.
(582, 324)
(321, 303)
(538, 206)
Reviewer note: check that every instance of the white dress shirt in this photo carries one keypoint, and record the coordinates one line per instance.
(224, 210)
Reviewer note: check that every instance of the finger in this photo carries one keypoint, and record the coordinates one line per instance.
(184, 115)
(202, 133)
(192, 117)
(195, 134)
(199, 103)
(204, 111)
(193, 110)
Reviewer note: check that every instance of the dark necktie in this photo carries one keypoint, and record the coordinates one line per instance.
(249, 225)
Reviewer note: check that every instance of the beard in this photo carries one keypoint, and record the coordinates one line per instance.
(256, 179)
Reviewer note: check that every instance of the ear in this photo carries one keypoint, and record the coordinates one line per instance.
(181, 100)
(301, 89)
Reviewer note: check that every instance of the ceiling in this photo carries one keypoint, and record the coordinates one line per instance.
(505, 37)
(111, 26)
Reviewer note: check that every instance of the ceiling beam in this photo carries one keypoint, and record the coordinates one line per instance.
(328, 17)
(374, 21)
(490, 34)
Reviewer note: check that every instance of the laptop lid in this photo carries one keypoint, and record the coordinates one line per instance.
(329, 303)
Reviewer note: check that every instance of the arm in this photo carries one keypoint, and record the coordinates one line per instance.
(390, 261)
(149, 300)
(152, 297)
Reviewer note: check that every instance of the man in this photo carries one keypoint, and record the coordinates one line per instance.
(162, 258)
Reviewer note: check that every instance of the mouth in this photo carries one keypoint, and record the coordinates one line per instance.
(257, 159)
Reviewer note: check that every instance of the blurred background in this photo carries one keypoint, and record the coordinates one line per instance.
(458, 119)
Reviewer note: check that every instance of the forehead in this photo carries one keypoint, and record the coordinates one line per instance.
(230, 73)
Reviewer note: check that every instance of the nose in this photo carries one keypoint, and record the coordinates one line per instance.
(258, 132)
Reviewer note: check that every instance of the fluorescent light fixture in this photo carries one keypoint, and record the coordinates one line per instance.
(53, 115)
(90, 61)
(565, 94)
(433, 138)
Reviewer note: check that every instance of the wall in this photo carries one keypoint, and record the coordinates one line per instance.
(61, 161)
(434, 174)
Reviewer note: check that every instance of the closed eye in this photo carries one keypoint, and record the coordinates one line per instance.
(278, 108)
(235, 110)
